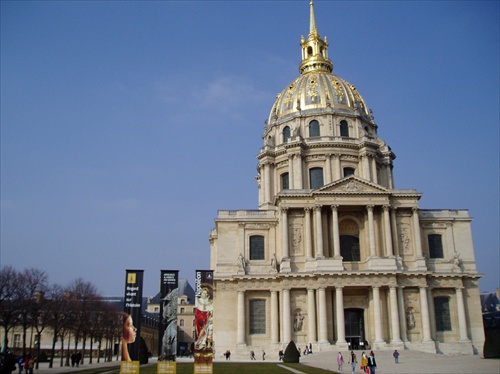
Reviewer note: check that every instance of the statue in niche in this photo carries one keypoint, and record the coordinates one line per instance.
(274, 264)
(410, 319)
(297, 322)
(241, 263)
(456, 263)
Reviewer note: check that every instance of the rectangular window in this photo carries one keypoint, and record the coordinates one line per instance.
(435, 246)
(17, 340)
(442, 310)
(257, 316)
(257, 247)
(316, 178)
(285, 182)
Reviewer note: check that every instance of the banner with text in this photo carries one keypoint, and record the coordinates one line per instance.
(203, 344)
(167, 342)
(132, 315)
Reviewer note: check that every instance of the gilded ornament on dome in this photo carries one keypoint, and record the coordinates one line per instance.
(338, 90)
(313, 87)
(289, 93)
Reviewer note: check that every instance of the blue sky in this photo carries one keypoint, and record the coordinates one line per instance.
(125, 126)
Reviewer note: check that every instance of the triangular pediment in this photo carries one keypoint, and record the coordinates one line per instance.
(352, 185)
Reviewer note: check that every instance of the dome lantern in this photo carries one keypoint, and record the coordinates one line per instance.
(314, 49)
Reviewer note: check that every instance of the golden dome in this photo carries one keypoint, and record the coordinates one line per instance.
(317, 88)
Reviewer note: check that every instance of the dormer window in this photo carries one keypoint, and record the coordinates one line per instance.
(313, 128)
(348, 171)
(286, 134)
(344, 128)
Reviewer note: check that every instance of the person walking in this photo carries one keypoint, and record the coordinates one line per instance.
(372, 364)
(364, 362)
(396, 356)
(340, 362)
(353, 361)
(263, 355)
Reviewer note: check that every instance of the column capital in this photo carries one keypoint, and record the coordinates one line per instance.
(284, 209)
(414, 209)
(386, 207)
(334, 207)
(318, 207)
(307, 209)
(370, 207)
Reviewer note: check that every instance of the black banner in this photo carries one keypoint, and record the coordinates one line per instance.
(169, 292)
(132, 315)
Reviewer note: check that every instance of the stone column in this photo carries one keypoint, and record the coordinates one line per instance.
(395, 238)
(241, 318)
(371, 231)
(432, 313)
(311, 315)
(402, 320)
(426, 325)
(267, 189)
(366, 167)
(335, 231)
(389, 176)
(462, 322)
(291, 183)
(284, 232)
(387, 231)
(338, 172)
(377, 317)
(307, 235)
(323, 322)
(374, 170)
(416, 231)
(274, 318)
(319, 232)
(300, 175)
(396, 333)
(287, 322)
(328, 171)
(339, 311)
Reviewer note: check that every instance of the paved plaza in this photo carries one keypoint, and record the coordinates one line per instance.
(410, 362)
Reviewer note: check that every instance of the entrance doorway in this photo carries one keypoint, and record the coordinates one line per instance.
(355, 328)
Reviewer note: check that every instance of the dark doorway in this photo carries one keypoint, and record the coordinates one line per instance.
(355, 328)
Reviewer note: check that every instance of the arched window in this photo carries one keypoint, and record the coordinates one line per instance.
(181, 322)
(349, 240)
(348, 171)
(316, 178)
(257, 247)
(435, 246)
(309, 51)
(349, 248)
(313, 128)
(344, 128)
(286, 134)
(442, 312)
(285, 185)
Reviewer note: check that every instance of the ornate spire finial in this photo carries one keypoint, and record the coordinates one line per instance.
(314, 49)
(313, 31)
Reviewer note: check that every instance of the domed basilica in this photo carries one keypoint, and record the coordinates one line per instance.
(335, 257)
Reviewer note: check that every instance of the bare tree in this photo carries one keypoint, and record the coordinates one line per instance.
(9, 304)
(83, 295)
(30, 283)
(57, 310)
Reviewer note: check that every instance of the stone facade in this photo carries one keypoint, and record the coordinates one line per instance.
(336, 257)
